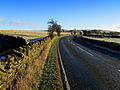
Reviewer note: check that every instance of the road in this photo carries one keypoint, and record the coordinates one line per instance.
(88, 69)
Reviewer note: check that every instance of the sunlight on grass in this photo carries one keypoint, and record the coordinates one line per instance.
(116, 40)
(26, 34)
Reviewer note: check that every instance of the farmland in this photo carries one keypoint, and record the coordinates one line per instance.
(26, 34)
(116, 40)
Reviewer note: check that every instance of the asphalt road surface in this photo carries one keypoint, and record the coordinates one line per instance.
(89, 69)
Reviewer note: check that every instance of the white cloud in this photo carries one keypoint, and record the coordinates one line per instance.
(115, 27)
(24, 25)
(21, 23)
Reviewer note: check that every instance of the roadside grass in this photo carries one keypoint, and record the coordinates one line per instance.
(51, 77)
(116, 40)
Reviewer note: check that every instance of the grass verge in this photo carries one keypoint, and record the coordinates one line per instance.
(51, 77)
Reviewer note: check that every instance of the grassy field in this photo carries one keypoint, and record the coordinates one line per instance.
(26, 34)
(116, 40)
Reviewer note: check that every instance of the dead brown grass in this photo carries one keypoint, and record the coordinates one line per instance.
(28, 79)
(26, 34)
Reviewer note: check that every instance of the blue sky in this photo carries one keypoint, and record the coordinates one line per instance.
(79, 14)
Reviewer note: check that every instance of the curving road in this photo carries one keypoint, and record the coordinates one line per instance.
(88, 69)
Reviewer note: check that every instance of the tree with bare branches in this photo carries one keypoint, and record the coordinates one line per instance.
(53, 27)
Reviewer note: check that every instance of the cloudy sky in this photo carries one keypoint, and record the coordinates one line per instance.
(79, 14)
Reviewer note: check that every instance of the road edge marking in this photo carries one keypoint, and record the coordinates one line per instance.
(65, 76)
(78, 46)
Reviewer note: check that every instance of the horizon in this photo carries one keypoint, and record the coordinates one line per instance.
(70, 14)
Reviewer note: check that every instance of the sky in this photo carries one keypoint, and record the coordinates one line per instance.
(70, 14)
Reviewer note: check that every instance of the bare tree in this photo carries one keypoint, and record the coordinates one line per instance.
(54, 27)
(50, 31)
(58, 30)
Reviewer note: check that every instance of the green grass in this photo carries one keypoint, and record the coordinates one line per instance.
(116, 40)
(51, 78)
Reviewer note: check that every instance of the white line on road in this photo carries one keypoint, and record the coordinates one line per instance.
(82, 49)
(78, 46)
(66, 79)
(93, 55)
(85, 51)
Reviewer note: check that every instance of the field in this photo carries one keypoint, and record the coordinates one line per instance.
(116, 40)
(26, 34)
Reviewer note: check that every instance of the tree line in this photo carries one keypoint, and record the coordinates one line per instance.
(96, 33)
(53, 26)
